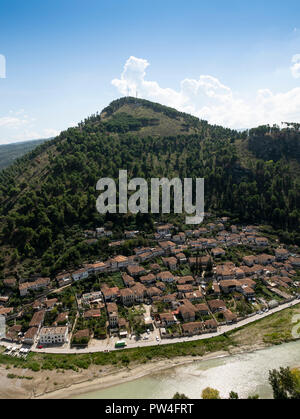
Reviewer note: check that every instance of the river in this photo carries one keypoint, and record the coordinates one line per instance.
(246, 374)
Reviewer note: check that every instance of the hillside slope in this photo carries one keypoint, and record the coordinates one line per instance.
(11, 152)
(47, 198)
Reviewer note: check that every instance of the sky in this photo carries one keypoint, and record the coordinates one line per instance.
(234, 63)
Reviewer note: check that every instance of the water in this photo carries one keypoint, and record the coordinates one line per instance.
(246, 374)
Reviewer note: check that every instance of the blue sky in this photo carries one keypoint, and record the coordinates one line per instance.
(232, 62)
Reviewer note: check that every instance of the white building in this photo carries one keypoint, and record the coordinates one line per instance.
(53, 335)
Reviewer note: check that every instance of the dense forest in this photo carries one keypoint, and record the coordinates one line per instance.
(47, 197)
(10, 152)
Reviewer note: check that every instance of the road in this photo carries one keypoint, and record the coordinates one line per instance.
(105, 345)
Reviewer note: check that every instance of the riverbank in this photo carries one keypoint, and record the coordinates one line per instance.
(129, 365)
(111, 378)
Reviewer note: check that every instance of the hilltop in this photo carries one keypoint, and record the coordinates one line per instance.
(48, 196)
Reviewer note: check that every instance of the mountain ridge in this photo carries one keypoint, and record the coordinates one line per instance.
(48, 196)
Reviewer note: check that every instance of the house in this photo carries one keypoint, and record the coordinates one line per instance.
(216, 289)
(50, 303)
(229, 316)
(182, 289)
(160, 285)
(179, 238)
(200, 232)
(188, 279)
(64, 279)
(264, 259)
(167, 319)
(249, 260)
(193, 328)
(139, 291)
(140, 250)
(92, 314)
(248, 292)
(211, 325)
(218, 251)
(37, 319)
(128, 280)
(143, 257)
(40, 283)
(112, 311)
(225, 272)
(53, 335)
(14, 332)
(80, 274)
(153, 292)
(135, 270)
(211, 243)
(157, 251)
(4, 311)
(202, 308)
(98, 267)
(181, 258)
(127, 296)
(295, 262)
(281, 254)
(165, 276)
(110, 294)
(92, 297)
(164, 230)
(30, 335)
(216, 305)
(194, 295)
(187, 312)
(261, 241)
(170, 298)
(167, 246)
(170, 262)
(148, 279)
(112, 265)
(228, 286)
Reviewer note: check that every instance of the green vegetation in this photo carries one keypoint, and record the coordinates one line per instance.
(210, 394)
(47, 198)
(285, 383)
(19, 377)
(10, 152)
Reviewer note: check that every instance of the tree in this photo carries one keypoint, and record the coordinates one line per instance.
(233, 395)
(179, 396)
(284, 383)
(210, 393)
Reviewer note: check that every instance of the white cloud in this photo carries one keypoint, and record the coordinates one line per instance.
(295, 68)
(208, 98)
(18, 126)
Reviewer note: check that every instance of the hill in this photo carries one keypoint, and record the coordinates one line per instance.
(47, 198)
(11, 152)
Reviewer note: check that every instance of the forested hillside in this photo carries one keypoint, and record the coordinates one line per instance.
(48, 197)
(11, 152)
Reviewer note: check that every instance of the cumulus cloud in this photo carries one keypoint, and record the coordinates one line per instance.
(295, 68)
(210, 99)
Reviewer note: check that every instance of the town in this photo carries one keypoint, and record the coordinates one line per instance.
(186, 284)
